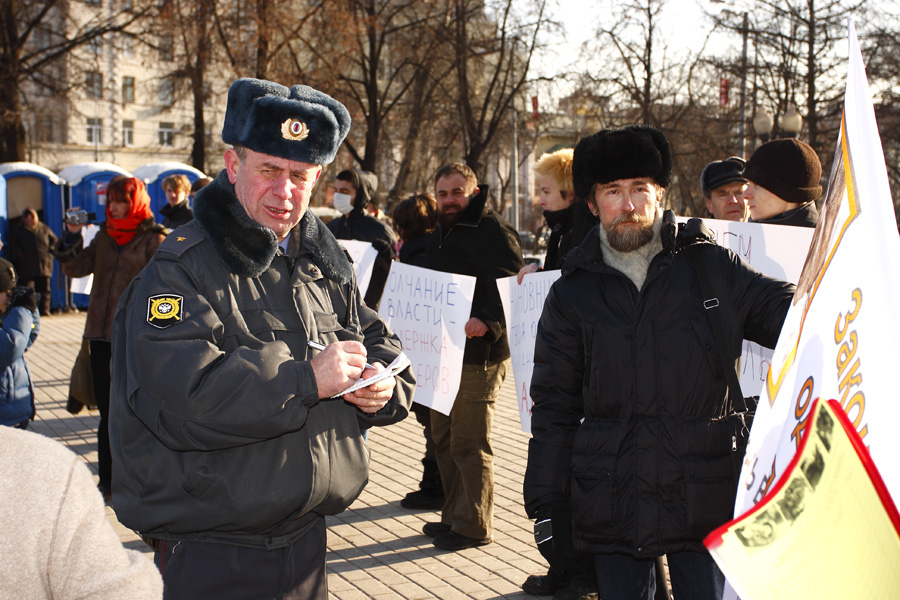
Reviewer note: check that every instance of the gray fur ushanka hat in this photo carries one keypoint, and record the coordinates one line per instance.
(626, 153)
(297, 123)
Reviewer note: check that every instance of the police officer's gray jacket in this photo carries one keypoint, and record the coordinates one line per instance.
(216, 426)
(650, 469)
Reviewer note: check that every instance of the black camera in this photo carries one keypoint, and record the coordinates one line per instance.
(77, 216)
(22, 295)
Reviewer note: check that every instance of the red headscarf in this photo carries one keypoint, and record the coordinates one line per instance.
(134, 192)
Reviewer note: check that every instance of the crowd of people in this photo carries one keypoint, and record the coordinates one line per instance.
(221, 357)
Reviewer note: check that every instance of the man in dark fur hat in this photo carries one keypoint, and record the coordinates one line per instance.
(231, 439)
(471, 239)
(629, 439)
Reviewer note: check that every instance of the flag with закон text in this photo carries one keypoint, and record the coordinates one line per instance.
(841, 337)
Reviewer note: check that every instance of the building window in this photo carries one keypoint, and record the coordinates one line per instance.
(95, 131)
(127, 46)
(166, 92)
(42, 38)
(166, 47)
(128, 89)
(95, 45)
(167, 134)
(46, 129)
(94, 84)
(128, 133)
(92, 2)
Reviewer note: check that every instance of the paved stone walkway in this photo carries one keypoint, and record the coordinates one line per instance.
(376, 549)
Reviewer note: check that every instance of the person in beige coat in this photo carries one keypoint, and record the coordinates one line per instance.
(56, 541)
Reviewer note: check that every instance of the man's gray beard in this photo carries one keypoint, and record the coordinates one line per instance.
(629, 239)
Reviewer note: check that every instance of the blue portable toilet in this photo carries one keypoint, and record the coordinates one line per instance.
(85, 187)
(29, 185)
(4, 222)
(154, 174)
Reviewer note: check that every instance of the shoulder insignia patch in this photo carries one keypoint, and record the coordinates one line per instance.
(164, 310)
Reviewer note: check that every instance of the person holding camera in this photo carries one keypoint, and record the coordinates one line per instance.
(20, 324)
(127, 240)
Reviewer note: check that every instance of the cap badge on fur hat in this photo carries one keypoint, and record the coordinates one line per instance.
(297, 123)
(294, 129)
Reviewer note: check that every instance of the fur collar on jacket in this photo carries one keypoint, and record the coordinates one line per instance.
(247, 248)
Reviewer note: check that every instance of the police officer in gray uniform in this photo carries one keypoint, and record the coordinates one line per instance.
(229, 445)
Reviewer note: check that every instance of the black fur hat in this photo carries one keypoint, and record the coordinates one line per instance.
(626, 153)
(299, 123)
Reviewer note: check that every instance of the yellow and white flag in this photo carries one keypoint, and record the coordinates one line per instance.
(841, 337)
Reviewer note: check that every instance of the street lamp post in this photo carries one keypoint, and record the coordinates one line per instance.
(790, 124)
(741, 128)
(763, 123)
(745, 31)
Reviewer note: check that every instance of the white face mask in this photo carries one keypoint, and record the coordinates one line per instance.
(343, 203)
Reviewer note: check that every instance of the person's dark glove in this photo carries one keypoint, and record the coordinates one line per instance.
(23, 296)
(553, 534)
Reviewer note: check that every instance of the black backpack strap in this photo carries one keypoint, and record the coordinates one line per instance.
(711, 304)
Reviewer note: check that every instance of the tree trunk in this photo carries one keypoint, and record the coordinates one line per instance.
(812, 120)
(414, 127)
(12, 130)
(198, 78)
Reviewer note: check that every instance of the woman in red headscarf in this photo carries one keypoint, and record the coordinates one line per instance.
(124, 245)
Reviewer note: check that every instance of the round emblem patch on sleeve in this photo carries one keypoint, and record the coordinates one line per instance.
(164, 310)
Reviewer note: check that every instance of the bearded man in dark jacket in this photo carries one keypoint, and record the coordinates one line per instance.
(628, 384)
(353, 188)
(232, 438)
(471, 239)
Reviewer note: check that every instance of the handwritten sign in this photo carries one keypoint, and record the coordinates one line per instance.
(83, 285)
(523, 305)
(363, 255)
(428, 311)
(775, 250)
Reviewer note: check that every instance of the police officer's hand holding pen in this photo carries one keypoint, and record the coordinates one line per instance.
(340, 364)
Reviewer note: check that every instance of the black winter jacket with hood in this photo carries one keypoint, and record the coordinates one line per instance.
(216, 426)
(482, 244)
(649, 470)
(359, 226)
(805, 215)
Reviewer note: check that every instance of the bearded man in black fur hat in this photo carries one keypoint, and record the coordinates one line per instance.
(632, 438)
(231, 441)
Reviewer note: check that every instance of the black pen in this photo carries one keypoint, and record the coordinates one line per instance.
(320, 347)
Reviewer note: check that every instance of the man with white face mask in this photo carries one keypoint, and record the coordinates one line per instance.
(353, 188)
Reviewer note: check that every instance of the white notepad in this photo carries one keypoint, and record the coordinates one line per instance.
(399, 364)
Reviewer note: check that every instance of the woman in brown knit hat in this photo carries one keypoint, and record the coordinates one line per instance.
(784, 184)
